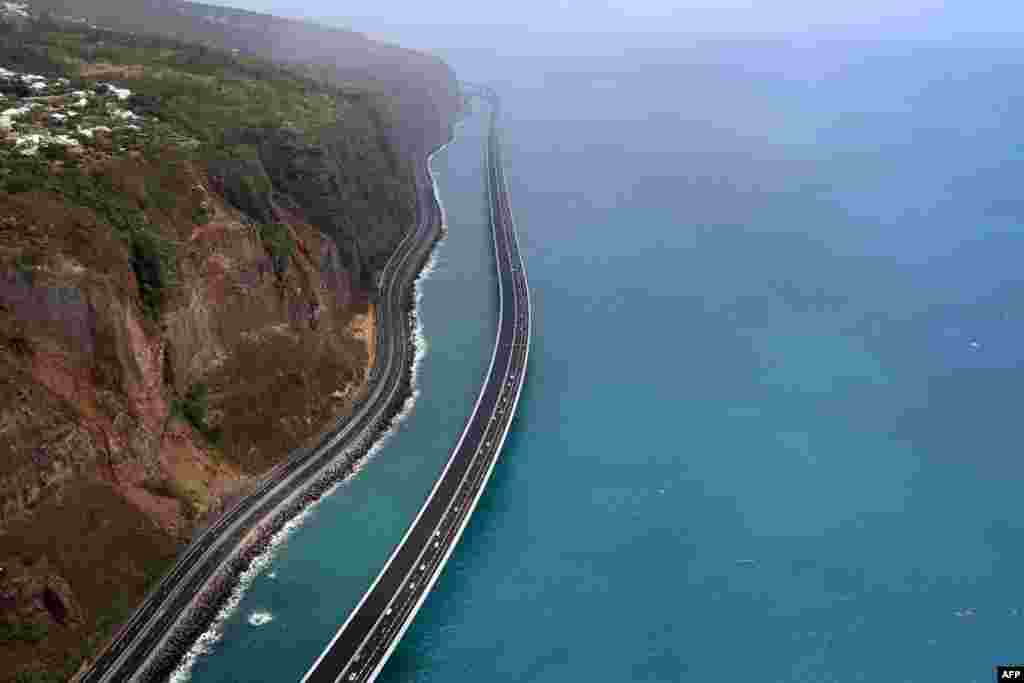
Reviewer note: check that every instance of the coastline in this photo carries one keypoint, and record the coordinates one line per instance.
(198, 626)
(365, 641)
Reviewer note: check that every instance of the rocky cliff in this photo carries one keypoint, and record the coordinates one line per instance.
(188, 241)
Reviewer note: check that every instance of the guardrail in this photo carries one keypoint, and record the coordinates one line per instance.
(369, 635)
(140, 635)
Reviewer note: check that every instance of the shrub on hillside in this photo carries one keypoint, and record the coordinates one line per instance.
(22, 174)
(28, 633)
(157, 196)
(244, 183)
(153, 260)
(277, 239)
(194, 408)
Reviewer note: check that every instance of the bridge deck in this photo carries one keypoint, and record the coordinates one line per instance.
(369, 635)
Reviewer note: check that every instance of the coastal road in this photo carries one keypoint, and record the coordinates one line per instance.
(372, 631)
(147, 643)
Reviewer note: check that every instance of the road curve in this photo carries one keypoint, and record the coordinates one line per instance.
(152, 641)
(371, 632)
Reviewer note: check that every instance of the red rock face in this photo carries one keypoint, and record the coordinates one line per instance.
(215, 273)
(100, 480)
(82, 340)
(144, 388)
(87, 384)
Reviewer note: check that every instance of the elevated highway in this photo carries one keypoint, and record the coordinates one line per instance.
(371, 632)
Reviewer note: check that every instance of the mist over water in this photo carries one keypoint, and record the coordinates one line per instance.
(769, 418)
(770, 412)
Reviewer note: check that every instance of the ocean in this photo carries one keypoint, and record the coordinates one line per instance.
(769, 423)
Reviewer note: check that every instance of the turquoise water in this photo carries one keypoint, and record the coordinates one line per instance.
(319, 574)
(770, 419)
(756, 432)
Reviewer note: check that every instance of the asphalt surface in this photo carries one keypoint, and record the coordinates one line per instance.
(148, 630)
(369, 635)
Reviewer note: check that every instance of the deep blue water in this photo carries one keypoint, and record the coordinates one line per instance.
(771, 415)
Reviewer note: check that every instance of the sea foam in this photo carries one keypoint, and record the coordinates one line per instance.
(205, 643)
(260, 618)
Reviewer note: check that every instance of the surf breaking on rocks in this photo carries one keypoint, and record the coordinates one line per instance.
(195, 634)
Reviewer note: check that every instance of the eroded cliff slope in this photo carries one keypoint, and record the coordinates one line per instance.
(188, 242)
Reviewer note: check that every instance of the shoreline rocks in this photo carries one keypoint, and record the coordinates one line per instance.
(203, 611)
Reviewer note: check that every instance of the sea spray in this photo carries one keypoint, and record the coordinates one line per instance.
(201, 625)
(260, 618)
(204, 644)
(193, 634)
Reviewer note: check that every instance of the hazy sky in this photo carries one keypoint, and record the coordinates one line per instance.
(740, 16)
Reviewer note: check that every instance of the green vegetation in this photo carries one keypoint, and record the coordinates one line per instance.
(153, 257)
(240, 152)
(256, 185)
(54, 152)
(199, 91)
(265, 128)
(153, 260)
(40, 676)
(105, 625)
(277, 239)
(17, 183)
(192, 98)
(189, 95)
(28, 633)
(97, 192)
(21, 174)
(159, 197)
(193, 409)
(24, 265)
(201, 215)
(278, 135)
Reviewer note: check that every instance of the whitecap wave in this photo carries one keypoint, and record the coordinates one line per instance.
(260, 618)
(204, 644)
